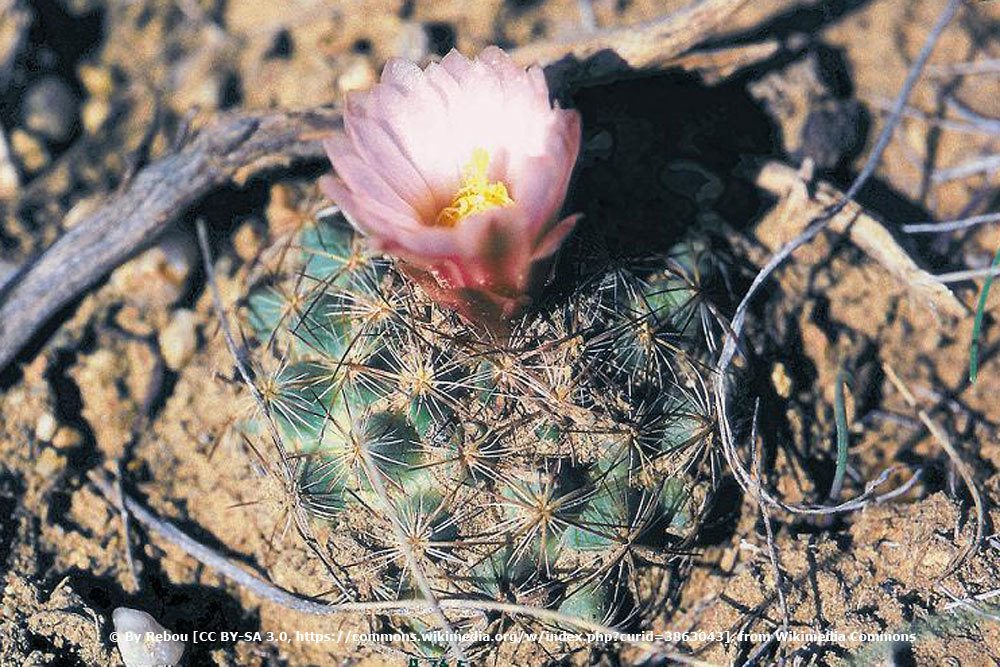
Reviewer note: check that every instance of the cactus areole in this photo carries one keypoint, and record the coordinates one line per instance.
(460, 171)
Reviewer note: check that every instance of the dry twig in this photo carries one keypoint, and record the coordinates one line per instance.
(950, 225)
(863, 229)
(721, 387)
(599, 55)
(282, 470)
(126, 532)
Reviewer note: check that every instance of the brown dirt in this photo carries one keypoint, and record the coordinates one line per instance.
(99, 390)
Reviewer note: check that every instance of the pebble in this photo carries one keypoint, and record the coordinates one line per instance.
(97, 80)
(45, 427)
(412, 43)
(10, 181)
(179, 339)
(95, 112)
(283, 211)
(49, 109)
(143, 642)
(833, 132)
(135, 320)
(66, 438)
(246, 241)
(159, 276)
(781, 381)
(358, 74)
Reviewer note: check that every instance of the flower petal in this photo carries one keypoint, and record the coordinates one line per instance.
(369, 216)
(361, 177)
(402, 73)
(457, 65)
(554, 238)
(375, 146)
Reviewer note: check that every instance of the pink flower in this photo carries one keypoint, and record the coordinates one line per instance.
(460, 171)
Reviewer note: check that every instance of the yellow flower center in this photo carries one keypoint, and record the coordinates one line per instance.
(477, 192)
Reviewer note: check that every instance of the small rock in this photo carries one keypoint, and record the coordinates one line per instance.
(29, 150)
(10, 181)
(134, 320)
(284, 214)
(179, 340)
(412, 43)
(834, 131)
(45, 427)
(143, 642)
(157, 277)
(246, 241)
(66, 438)
(809, 100)
(49, 463)
(782, 382)
(358, 74)
(49, 109)
(16, 18)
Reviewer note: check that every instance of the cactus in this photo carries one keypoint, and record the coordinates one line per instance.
(527, 469)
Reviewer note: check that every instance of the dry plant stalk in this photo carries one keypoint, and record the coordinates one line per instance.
(631, 48)
(866, 231)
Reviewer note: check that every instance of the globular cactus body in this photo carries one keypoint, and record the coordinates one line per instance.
(530, 468)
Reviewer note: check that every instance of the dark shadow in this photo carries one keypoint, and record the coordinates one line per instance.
(656, 148)
(719, 524)
(11, 492)
(68, 403)
(441, 36)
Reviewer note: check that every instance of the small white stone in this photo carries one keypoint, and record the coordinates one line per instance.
(411, 42)
(45, 427)
(179, 340)
(357, 74)
(143, 642)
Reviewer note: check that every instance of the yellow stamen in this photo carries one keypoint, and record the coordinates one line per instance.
(477, 192)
